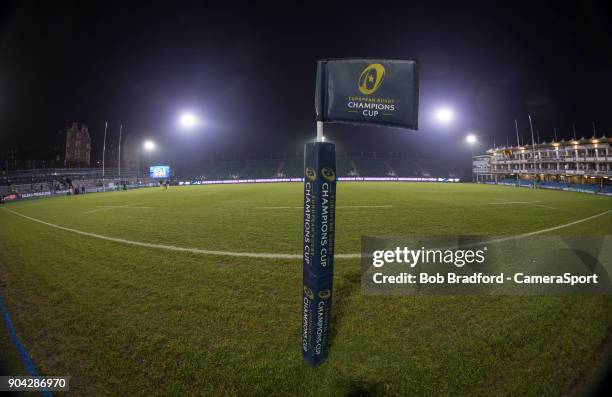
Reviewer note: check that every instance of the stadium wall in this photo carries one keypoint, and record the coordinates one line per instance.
(23, 192)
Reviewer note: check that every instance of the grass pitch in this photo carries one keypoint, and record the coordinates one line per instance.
(132, 320)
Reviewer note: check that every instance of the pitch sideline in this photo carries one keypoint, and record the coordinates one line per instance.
(264, 254)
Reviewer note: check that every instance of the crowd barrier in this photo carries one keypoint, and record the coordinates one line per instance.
(590, 189)
(340, 179)
(64, 192)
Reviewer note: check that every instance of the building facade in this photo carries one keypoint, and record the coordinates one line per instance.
(583, 162)
(130, 153)
(78, 146)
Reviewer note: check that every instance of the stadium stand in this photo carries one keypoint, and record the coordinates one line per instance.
(264, 169)
(228, 170)
(583, 165)
(406, 168)
(62, 180)
(293, 168)
(50, 174)
(346, 167)
(91, 178)
(371, 167)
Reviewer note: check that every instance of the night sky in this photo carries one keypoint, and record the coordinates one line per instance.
(249, 72)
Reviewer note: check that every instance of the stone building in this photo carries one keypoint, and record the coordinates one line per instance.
(78, 146)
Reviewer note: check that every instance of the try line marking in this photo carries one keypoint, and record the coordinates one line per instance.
(338, 206)
(514, 202)
(112, 207)
(264, 254)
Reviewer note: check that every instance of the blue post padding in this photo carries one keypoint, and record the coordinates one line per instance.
(318, 249)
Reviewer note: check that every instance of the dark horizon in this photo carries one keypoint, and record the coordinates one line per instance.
(249, 73)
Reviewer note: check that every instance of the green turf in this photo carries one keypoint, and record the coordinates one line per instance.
(126, 320)
(10, 362)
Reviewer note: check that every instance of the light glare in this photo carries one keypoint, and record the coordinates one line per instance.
(188, 120)
(444, 115)
(149, 145)
(471, 139)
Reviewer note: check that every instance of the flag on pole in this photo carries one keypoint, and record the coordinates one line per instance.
(368, 91)
(355, 91)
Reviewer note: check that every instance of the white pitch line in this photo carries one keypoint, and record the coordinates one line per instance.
(533, 203)
(271, 255)
(276, 208)
(111, 207)
(364, 206)
(515, 202)
(120, 206)
(159, 246)
(544, 206)
(338, 206)
(550, 229)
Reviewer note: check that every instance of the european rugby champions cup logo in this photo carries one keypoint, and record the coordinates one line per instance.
(310, 174)
(371, 78)
(366, 105)
(308, 293)
(328, 174)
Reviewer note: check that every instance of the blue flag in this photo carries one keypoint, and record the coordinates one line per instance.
(368, 91)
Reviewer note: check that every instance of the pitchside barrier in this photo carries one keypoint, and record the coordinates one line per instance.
(339, 179)
(566, 188)
(5, 198)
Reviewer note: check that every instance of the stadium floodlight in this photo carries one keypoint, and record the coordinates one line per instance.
(444, 115)
(188, 120)
(149, 145)
(471, 139)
